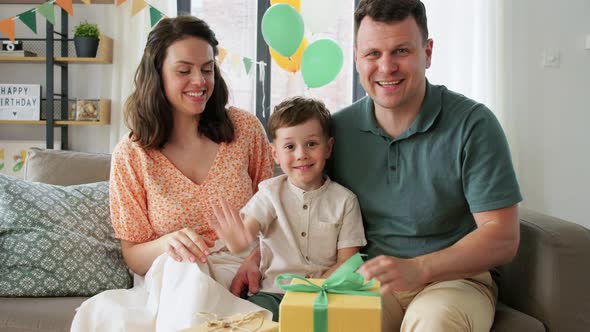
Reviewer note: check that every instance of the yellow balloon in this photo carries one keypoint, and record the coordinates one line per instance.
(291, 64)
(295, 3)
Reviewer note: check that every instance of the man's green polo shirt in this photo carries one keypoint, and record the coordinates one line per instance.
(418, 191)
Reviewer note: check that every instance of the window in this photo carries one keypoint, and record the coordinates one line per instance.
(336, 94)
(238, 34)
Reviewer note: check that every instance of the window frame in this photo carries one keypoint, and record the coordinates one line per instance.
(358, 91)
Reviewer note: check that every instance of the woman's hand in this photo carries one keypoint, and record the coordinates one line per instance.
(187, 244)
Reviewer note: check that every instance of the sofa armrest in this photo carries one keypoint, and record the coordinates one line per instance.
(548, 278)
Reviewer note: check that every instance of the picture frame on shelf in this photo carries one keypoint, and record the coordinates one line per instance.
(87, 110)
(20, 101)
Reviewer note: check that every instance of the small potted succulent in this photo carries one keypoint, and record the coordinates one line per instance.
(86, 39)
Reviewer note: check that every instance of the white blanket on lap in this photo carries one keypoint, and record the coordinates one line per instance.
(168, 298)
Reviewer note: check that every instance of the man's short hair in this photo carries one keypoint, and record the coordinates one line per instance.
(388, 11)
(297, 110)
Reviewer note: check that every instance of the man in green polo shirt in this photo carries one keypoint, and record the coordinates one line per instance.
(432, 172)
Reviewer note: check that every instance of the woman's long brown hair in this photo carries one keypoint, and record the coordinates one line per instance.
(148, 114)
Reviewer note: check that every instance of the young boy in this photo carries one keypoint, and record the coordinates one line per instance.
(307, 224)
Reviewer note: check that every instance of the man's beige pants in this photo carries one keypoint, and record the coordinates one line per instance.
(457, 305)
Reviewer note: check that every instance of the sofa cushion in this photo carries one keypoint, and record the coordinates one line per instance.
(57, 241)
(66, 167)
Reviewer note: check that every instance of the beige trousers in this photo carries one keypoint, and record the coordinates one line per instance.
(456, 305)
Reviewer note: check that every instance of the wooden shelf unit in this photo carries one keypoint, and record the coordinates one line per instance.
(62, 57)
(103, 56)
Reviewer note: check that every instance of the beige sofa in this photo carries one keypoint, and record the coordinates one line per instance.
(544, 289)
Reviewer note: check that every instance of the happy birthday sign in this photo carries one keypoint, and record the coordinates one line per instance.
(20, 101)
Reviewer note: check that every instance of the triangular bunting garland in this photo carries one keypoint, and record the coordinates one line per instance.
(29, 18)
(155, 16)
(66, 5)
(247, 64)
(235, 62)
(137, 6)
(221, 55)
(46, 10)
(7, 27)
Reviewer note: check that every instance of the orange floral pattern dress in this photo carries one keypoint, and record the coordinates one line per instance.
(150, 197)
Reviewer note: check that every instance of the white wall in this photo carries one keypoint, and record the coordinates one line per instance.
(85, 81)
(549, 108)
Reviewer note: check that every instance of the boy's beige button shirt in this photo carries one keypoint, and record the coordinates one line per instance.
(301, 232)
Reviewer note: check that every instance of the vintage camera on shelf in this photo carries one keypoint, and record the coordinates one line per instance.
(8, 45)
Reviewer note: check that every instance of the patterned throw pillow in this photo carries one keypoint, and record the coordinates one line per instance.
(57, 241)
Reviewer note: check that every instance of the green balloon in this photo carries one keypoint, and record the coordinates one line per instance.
(282, 28)
(321, 62)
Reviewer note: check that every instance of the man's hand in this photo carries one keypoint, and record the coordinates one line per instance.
(187, 244)
(394, 274)
(248, 276)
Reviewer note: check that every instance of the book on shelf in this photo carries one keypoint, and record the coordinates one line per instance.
(23, 53)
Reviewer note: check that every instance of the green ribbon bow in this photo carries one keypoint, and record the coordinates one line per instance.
(342, 281)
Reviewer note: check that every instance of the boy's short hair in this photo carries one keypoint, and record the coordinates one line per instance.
(297, 110)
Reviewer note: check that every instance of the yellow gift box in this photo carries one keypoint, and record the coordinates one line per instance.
(345, 312)
(252, 322)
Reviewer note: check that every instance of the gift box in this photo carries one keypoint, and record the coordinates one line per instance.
(253, 322)
(348, 309)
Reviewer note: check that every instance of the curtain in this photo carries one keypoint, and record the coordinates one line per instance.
(130, 37)
(467, 50)
(470, 54)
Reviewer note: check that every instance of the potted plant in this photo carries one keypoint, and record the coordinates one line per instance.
(86, 39)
